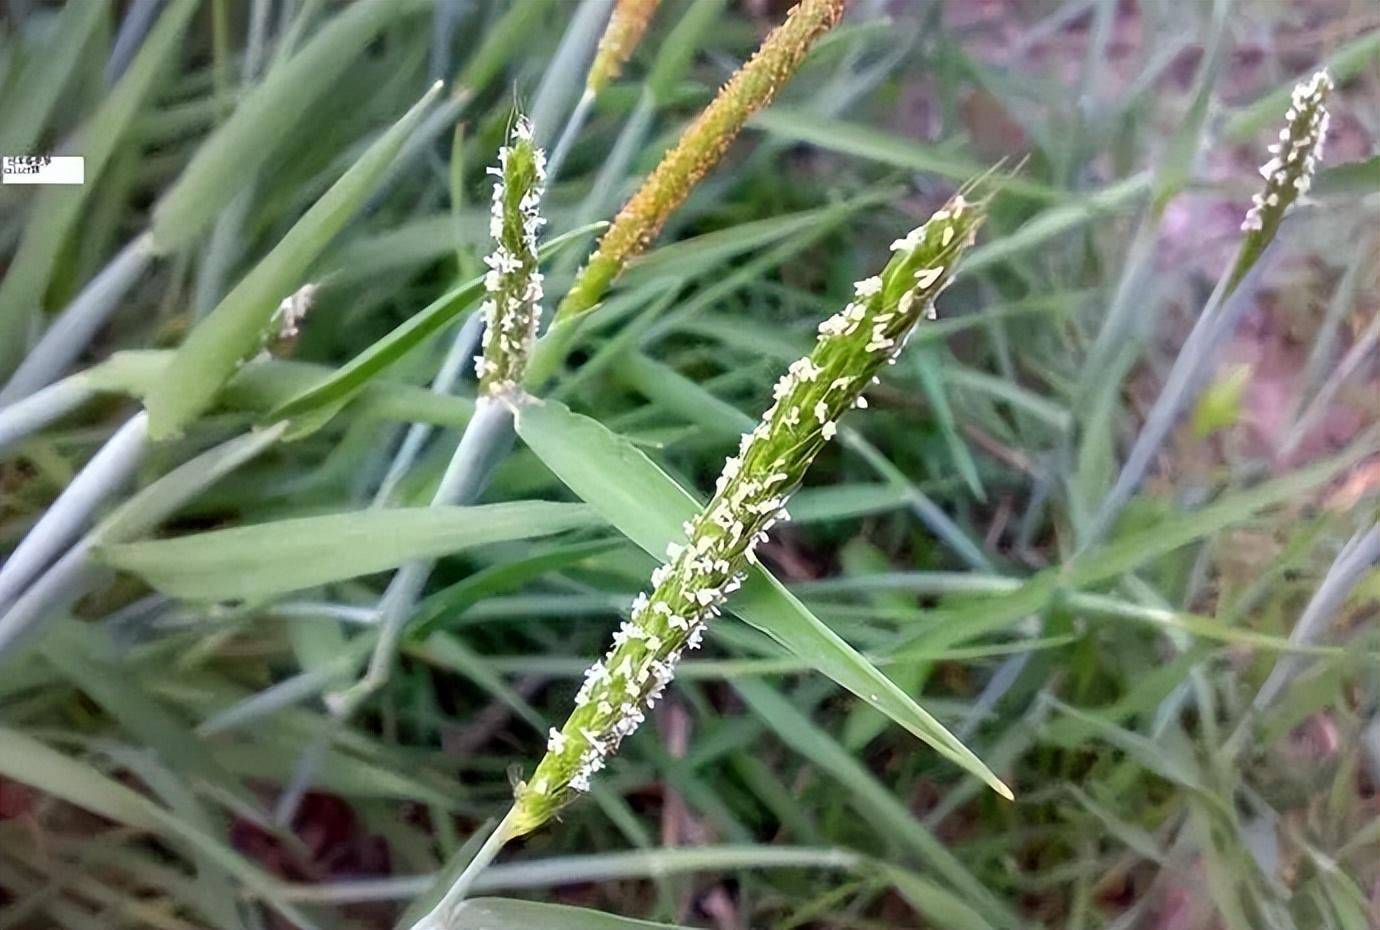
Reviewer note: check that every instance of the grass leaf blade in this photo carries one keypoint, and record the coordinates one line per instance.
(235, 329)
(286, 555)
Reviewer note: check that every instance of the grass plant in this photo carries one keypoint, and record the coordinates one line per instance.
(339, 428)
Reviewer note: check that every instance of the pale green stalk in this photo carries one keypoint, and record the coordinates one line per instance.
(70, 577)
(1361, 351)
(511, 313)
(108, 469)
(561, 76)
(69, 334)
(460, 354)
(1357, 558)
(133, 27)
(595, 867)
(1288, 175)
(41, 408)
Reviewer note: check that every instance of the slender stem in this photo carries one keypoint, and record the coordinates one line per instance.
(595, 867)
(41, 408)
(222, 251)
(312, 760)
(70, 333)
(1362, 350)
(1194, 361)
(1357, 557)
(572, 129)
(1322, 354)
(58, 588)
(1360, 554)
(443, 915)
(486, 440)
(255, 40)
(74, 574)
(135, 25)
(345, 613)
(602, 193)
(444, 20)
(461, 350)
(928, 512)
(286, 692)
(567, 66)
(107, 470)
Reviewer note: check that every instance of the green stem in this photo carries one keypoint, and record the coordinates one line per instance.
(442, 915)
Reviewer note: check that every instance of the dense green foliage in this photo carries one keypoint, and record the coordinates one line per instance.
(1094, 536)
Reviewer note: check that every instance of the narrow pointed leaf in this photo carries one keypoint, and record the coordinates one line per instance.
(286, 555)
(236, 329)
(506, 914)
(268, 115)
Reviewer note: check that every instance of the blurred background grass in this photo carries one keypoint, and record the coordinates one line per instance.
(1180, 759)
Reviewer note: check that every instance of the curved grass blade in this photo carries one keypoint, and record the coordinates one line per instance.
(56, 210)
(286, 555)
(272, 111)
(506, 914)
(235, 329)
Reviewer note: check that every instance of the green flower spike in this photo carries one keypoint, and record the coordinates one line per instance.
(750, 497)
(1289, 172)
(627, 24)
(512, 311)
(703, 143)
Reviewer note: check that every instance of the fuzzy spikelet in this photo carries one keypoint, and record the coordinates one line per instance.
(512, 310)
(700, 147)
(628, 22)
(1293, 159)
(749, 499)
(293, 310)
(1289, 171)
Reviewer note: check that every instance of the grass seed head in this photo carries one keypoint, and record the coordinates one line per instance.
(751, 87)
(293, 310)
(1288, 173)
(749, 499)
(626, 26)
(512, 310)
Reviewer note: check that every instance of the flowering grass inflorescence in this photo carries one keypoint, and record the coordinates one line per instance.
(627, 23)
(749, 499)
(751, 87)
(512, 311)
(1288, 173)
